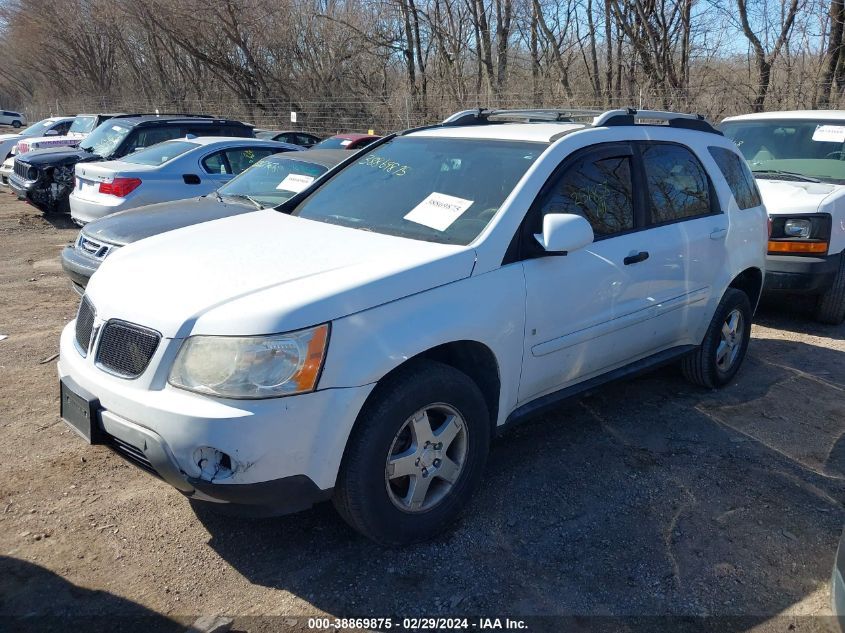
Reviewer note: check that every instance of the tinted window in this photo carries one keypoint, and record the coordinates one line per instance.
(598, 189)
(160, 153)
(739, 177)
(62, 128)
(146, 137)
(215, 164)
(436, 189)
(678, 187)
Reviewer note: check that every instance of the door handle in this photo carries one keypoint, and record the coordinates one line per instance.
(718, 234)
(635, 258)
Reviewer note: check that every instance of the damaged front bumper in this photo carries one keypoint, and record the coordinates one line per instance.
(272, 456)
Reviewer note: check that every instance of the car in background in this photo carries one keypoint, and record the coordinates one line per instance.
(270, 182)
(52, 126)
(347, 141)
(82, 126)
(46, 177)
(798, 160)
(303, 139)
(15, 119)
(171, 170)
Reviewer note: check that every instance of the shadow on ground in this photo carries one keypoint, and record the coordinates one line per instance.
(30, 596)
(649, 497)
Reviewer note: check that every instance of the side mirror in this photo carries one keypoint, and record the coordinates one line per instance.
(564, 233)
(51, 133)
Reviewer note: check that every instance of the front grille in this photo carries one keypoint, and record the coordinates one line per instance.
(84, 325)
(22, 170)
(97, 250)
(126, 349)
(131, 453)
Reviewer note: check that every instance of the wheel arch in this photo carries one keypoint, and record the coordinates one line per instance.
(749, 281)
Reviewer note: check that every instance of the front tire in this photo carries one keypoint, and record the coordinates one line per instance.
(831, 306)
(723, 349)
(415, 455)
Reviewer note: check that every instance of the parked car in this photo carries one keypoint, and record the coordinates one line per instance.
(15, 119)
(347, 141)
(171, 170)
(303, 139)
(82, 126)
(798, 159)
(46, 177)
(365, 340)
(268, 183)
(53, 126)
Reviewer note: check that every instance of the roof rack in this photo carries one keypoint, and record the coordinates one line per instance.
(630, 116)
(595, 118)
(484, 116)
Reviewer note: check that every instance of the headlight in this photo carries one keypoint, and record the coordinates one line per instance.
(251, 366)
(797, 228)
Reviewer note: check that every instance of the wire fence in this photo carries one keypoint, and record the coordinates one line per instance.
(386, 113)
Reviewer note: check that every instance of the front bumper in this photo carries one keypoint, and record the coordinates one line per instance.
(285, 452)
(78, 267)
(5, 174)
(799, 274)
(20, 186)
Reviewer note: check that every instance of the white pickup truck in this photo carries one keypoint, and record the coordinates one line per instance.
(798, 159)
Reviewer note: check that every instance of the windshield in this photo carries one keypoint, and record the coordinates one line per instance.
(38, 129)
(82, 125)
(814, 149)
(160, 153)
(273, 180)
(105, 139)
(435, 189)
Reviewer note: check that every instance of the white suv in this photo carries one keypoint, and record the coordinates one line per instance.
(365, 340)
(799, 161)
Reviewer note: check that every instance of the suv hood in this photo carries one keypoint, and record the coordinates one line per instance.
(265, 272)
(136, 224)
(783, 197)
(57, 156)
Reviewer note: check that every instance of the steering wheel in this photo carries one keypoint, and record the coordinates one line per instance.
(840, 152)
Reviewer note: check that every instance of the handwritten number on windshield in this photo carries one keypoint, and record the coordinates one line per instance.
(386, 165)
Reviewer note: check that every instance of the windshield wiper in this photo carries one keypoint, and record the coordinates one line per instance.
(246, 197)
(788, 174)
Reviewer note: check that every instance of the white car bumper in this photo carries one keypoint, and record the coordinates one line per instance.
(283, 453)
(83, 210)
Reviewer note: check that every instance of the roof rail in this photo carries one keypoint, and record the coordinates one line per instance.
(630, 116)
(483, 116)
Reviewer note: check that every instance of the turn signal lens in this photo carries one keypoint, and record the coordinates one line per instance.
(797, 247)
(120, 187)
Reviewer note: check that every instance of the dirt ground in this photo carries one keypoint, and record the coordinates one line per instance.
(650, 498)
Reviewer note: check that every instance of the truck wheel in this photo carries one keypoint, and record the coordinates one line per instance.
(722, 351)
(831, 306)
(415, 455)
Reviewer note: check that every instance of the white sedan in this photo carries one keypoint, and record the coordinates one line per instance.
(172, 170)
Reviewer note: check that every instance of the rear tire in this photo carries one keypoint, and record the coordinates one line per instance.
(831, 306)
(16, 124)
(723, 349)
(415, 456)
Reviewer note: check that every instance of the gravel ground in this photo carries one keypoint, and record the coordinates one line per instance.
(649, 498)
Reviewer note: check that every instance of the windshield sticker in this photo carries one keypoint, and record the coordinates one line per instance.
(438, 211)
(830, 134)
(117, 128)
(295, 182)
(389, 166)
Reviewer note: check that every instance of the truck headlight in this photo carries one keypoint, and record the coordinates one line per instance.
(251, 366)
(797, 228)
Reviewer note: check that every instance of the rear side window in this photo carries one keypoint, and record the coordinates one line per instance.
(678, 187)
(739, 177)
(600, 190)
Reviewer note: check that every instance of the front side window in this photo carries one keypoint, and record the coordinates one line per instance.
(739, 178)
(62, 128)
(791, 150)
(273, 180)
(678, 186)
(599, 189)
(160, 153)
(105, 139)
(83, 124)
(427, 188)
